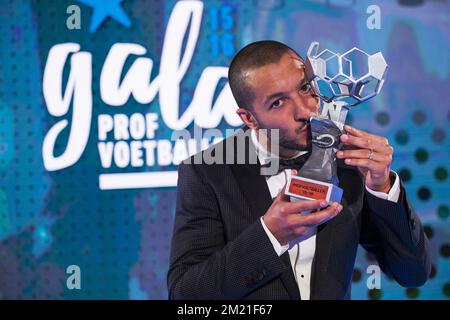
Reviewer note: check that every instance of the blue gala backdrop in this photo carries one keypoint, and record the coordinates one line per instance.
(92, 91)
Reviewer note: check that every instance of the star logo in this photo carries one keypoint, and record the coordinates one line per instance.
(102, 9)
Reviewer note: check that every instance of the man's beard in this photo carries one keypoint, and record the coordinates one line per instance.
(295, 144)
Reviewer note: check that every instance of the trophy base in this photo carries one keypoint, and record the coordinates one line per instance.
(308, 189)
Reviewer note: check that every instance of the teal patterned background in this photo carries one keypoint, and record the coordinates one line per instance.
(120, 239)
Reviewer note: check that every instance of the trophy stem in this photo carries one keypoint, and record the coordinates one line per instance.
(336, 111)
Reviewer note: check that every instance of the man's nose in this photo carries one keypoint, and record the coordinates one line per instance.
(305, 106)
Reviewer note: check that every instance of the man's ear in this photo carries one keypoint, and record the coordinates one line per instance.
(248, 118)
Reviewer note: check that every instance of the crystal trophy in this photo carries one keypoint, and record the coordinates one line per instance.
(341, 81)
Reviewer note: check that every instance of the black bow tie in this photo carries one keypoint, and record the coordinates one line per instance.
(294, 163)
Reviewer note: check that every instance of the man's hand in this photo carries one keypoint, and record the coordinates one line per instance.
(371, 154)
(284, 221)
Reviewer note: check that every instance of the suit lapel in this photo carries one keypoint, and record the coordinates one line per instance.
(252, 184)
(254, 187)
(256, 192)
(288, 278)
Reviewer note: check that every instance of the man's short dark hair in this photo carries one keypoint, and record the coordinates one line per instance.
(252, 56)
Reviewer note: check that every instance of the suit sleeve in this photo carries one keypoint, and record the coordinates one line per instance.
(203, 263)
(394, 234)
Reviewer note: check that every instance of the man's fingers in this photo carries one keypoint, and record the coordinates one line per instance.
(360, 154)
(281, 196)
(319, 217)
(364, 134)
(354, 131)
(371, 165)
(304, 205)
(361, 133)
(363, 142)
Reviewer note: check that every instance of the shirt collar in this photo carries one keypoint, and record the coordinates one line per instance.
(264, 155)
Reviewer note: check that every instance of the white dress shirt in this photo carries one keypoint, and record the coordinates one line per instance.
(301, 251)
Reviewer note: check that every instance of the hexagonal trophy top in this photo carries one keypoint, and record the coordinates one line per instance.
(352, 77)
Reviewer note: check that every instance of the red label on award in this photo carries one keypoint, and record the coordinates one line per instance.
(308, 189)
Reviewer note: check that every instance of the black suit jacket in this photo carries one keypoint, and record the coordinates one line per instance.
(219, 248)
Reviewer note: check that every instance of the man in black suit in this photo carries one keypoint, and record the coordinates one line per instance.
(237, 235)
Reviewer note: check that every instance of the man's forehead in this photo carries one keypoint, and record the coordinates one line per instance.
(277, 79)
(297, 60)
(292, 57)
